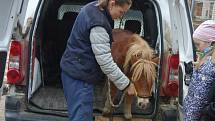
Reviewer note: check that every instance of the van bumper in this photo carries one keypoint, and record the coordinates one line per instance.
(29, 116)
(15, 111)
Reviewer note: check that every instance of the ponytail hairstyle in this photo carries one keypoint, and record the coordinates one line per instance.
(104, 3)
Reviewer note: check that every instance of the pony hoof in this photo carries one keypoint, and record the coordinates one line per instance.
(126, 119)
(106, 113)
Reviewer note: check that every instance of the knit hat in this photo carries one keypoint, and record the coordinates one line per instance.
(205, 31)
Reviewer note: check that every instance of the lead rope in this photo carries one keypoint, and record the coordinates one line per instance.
(110, 98)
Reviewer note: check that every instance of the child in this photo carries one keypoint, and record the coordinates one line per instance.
(203, 80)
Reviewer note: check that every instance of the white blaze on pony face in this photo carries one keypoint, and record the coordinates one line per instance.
(143, 103)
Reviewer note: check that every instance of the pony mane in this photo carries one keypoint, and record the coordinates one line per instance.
(140, 50)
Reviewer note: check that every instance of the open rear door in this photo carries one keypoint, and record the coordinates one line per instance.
(182, 32)
(10, 12)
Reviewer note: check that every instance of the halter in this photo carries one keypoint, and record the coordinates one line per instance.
(124, 92)
(110, 98)
(122, 97)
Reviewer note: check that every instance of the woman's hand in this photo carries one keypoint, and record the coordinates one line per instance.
(131, 90)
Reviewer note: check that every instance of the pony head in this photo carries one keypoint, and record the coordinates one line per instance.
(140, 68)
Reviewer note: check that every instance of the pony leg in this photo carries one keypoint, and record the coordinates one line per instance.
(108, 109)
(127, 108)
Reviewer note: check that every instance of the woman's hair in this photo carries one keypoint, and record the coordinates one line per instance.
(104, 3)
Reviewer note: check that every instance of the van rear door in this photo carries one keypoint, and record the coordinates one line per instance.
(10, 12)
(182, 31)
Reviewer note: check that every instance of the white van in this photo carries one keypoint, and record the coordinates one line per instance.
(34, 90)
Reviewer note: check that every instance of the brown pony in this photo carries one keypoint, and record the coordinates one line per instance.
(134, 56)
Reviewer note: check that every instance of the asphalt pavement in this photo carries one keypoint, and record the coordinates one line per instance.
(2, 100)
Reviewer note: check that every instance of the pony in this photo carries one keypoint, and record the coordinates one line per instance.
(133, 56)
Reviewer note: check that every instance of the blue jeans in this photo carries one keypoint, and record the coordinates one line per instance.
(79, 98)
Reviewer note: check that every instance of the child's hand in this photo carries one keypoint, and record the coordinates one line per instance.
(198, 57)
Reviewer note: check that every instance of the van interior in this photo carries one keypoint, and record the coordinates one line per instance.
(50, 35)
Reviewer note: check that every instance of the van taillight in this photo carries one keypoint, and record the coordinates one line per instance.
(174, 61)
(14, 74)
(171, 85)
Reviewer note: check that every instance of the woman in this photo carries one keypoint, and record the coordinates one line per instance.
(88, 57)
(202, 84)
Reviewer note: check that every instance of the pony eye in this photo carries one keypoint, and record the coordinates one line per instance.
(138, 55)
